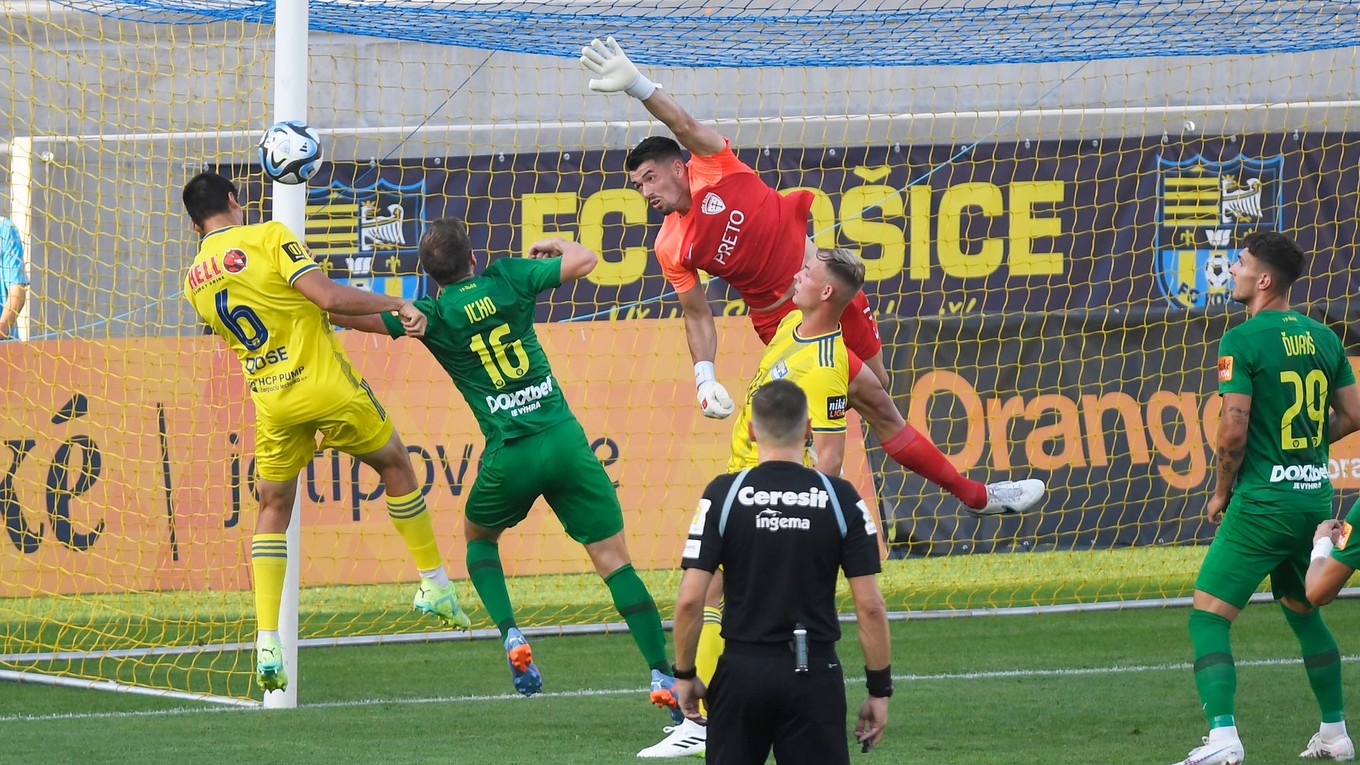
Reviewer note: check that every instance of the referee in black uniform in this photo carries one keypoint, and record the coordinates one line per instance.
(782, 532)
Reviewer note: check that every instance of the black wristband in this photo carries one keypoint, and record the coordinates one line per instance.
(684, 674)
(879, 682)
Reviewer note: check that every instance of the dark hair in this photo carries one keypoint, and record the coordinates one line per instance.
(779, 410)
(446, 251)
(657, 147)
(844, 266)
(1279, 253)
(206, 194)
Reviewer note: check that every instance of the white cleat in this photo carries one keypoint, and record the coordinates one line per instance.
(1010, 497)
(687, 738)
(1216, 753)
(1319, 748)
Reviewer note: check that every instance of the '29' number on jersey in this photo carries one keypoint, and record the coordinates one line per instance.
(491, 349)
(241, 321)
(1310, 398)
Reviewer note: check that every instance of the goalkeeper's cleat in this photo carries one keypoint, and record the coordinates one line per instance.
(269, 664)
(687, 739)
(1340, 748)
(1010, 497)
(1216, 753)
(442, 603)
(523, 672)
(664, 697)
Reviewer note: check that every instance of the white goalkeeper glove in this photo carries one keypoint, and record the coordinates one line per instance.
(616, 72)
(713, 399)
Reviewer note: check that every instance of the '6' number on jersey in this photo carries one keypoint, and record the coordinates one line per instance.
(241, 321)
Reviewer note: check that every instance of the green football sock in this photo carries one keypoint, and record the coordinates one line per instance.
(1215, 674)
(488, 578)
(637, 608)
(1322, 660)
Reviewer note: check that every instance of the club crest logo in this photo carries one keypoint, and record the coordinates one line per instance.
(1204, 210)
(234, 261)
(712, 204)
(367, 237)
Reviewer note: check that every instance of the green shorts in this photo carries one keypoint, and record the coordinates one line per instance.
(556, 464)
(1249, 547)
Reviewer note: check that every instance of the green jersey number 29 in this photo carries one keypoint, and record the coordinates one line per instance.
(1310, 399)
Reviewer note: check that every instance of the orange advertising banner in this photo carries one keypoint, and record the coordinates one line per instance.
(128, 462)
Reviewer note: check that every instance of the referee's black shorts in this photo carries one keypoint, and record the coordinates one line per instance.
(756, 701)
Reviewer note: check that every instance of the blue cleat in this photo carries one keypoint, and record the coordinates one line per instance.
(523, 672)
(663, 695)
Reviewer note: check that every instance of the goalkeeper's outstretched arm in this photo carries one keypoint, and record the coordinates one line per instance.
(616, 73)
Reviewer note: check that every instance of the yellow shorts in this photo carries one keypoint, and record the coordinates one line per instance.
(360, 426)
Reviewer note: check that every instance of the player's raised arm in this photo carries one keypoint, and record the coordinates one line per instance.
(372, 323)
(616, 73)
(577, 261)
(344, 300)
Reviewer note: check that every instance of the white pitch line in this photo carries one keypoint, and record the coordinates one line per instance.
(999, 674)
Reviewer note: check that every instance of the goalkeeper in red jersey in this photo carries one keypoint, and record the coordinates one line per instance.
(723, 219)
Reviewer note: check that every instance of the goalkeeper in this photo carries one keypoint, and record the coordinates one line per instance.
(721, 218)
(481, 331)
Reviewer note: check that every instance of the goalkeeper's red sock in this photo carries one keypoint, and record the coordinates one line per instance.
(916, 453)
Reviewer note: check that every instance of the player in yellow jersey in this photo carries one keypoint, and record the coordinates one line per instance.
(259, 289)
(808, 349)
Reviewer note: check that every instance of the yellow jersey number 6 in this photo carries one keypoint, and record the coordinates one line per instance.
(1310, 397)
(492, 351)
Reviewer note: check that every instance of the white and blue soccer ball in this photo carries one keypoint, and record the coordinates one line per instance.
(290, 152)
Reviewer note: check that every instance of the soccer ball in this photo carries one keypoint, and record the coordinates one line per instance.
(290, 152)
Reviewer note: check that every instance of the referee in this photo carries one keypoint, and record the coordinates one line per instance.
(781, 532)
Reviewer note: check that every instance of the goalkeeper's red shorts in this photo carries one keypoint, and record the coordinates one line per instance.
(858, 327)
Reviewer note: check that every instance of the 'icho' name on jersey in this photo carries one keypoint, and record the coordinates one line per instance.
(1302, 476)
(521, 401)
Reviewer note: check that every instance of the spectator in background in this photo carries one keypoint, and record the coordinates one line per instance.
(13, 279)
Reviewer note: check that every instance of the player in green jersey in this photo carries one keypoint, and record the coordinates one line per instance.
(481, 330)
(1278, 374)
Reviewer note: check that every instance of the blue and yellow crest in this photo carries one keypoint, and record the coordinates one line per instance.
(1204, 209)
(367, 237)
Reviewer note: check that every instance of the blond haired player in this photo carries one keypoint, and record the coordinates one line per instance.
(259, 289)
(808, 349)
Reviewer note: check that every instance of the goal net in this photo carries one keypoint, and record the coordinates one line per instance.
(1048, 197)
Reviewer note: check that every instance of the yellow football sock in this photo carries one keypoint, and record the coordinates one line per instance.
(269, 563)
(409, 515)
(710, 646)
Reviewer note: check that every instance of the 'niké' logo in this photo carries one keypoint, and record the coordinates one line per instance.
(74, 471)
